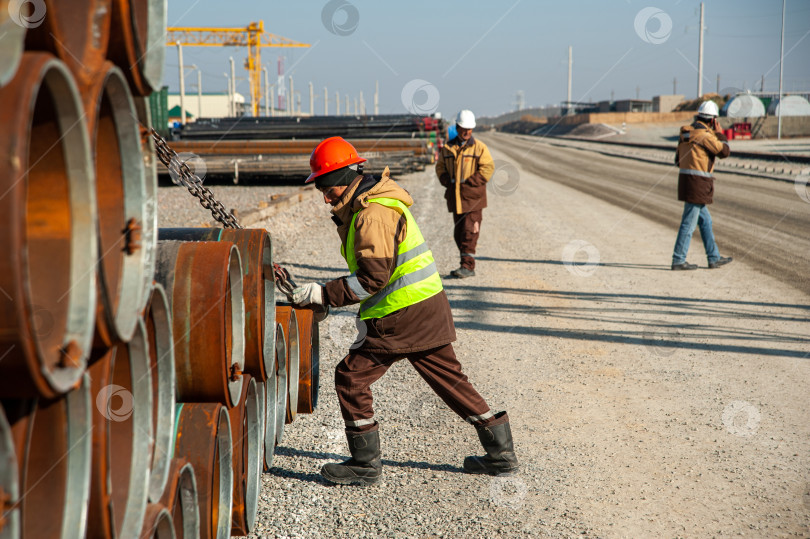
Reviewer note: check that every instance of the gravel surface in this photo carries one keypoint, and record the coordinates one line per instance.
(178, 208)
(644, 402)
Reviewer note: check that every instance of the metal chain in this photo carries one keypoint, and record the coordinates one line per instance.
(182, 174)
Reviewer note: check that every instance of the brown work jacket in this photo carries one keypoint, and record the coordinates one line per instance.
(378, 232)
(464, 170)
(698, 146)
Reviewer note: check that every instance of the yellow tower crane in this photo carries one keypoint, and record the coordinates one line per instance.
(253, 37)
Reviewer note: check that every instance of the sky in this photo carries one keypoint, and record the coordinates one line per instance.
(441, 57)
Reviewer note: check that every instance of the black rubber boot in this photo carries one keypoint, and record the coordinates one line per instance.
(364, 468)
(497, 441)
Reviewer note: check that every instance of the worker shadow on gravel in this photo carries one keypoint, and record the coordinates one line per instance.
(664, 322)
(657, 267)
(321, 455)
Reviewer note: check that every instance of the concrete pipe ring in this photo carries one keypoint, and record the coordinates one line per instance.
(157, 320)
(50, 208)
(281, 383)
(115, 139)
(180, 498)
(157, 523)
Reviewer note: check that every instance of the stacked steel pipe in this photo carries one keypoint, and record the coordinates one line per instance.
(136, 377)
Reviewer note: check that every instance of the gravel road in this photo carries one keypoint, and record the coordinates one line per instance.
(644, 403)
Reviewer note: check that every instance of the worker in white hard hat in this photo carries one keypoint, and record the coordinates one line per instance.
(699, 145)
(464, 167)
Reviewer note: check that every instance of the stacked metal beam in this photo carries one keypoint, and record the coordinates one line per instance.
(135, 375)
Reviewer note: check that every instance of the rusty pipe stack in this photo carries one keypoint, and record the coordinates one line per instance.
(143, 384)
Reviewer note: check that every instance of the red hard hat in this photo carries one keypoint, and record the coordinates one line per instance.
(332, 154)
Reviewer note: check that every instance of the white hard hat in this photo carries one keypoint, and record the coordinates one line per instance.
(708, 109)
(466, 119)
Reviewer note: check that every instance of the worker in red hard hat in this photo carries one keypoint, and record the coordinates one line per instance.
(464, 167)
(404, 310)
(699, 144)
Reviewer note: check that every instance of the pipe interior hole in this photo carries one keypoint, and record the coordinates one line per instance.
(121, 428)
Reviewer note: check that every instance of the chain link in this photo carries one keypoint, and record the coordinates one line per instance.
(182, 174)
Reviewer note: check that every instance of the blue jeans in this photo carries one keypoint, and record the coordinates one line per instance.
(695, 214)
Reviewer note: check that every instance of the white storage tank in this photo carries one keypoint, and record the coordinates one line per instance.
(744, 106)
(791, 105)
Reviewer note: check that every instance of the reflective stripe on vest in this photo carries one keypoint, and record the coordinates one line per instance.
(415, 277)
(695, 172)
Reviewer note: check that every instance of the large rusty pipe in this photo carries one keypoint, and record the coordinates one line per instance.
(203, 438)
(286, 316)
(157, 523)
(137, 42)
(77, 32)
(52, 439)
(9, 482)
(258, 285)
(122, 434)
(245, 429)
(180, 498)
(282, 387)
(261, 389)
(309, 371)
(158, 324)
(149, 228)
(203, 281)
(12, 36)
(270, 406)
(49, 207)
(121, 194)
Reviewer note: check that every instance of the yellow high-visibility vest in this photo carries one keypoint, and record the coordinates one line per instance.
(414, 279)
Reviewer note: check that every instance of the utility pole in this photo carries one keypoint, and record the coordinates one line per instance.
(700, 55)
(376, 98)
(781, 62)
(199, 92)
(570, 75)
(355, 106)
(182, 84)
(717, 91)
(311, 100)
(291, 104)
(337, 104)
(266, 92)
(762, 84)
(362, 105)
(298, 100)
(233, 89)
(675, 86)
(272, 100)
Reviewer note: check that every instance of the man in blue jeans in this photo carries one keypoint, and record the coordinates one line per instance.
(698, 146)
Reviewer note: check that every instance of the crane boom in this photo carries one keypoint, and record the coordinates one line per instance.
(252, 36)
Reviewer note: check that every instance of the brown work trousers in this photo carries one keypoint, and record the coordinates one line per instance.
(466, 231)
(439, 368)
